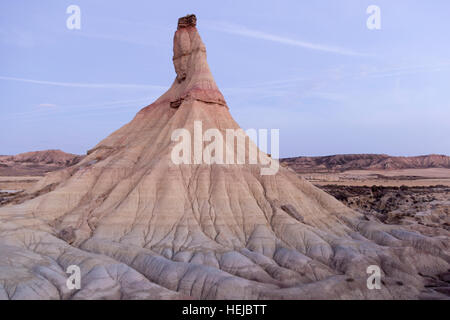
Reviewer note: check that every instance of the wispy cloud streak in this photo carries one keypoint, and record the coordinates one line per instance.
(404, 71)
(86, 85)
(318, 86)
(256, 34)
(121, 38)
(70, 110)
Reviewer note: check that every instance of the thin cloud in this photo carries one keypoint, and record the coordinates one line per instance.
(317, 87)
(47, 105)
(404, 71)
(86, 85)
(70, 109)
(144, 33)
(246, 32)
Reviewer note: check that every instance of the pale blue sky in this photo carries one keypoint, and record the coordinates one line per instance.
(310, 68)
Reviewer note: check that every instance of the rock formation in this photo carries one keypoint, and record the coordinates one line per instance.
(141, 227)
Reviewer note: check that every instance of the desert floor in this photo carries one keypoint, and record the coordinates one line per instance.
(386, 178)
(419, 198)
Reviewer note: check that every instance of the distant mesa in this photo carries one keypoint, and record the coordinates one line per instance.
(40, 162)
(36, 163)
(344, 162)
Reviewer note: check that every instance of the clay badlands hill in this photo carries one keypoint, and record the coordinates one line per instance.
(343, 162)
(141, 227)
(36, 163)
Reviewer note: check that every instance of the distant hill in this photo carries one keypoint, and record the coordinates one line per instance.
(344, 162)
(36, 163)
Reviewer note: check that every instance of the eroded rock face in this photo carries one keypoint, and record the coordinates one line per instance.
(146, 228)
(68, 235)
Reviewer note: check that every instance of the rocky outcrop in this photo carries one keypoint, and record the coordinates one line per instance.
(68, 235)
(147, 228)
(189, 20)
(194, 80)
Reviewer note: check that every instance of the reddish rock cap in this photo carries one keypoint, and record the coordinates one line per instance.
(189, 20)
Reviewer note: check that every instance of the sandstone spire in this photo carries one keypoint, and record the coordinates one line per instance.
(141, 227)
(194, 79)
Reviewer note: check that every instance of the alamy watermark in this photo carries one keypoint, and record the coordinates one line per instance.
(231, 149)
(74, 20)
(374, 20)
(74, 280)
(374, 280)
